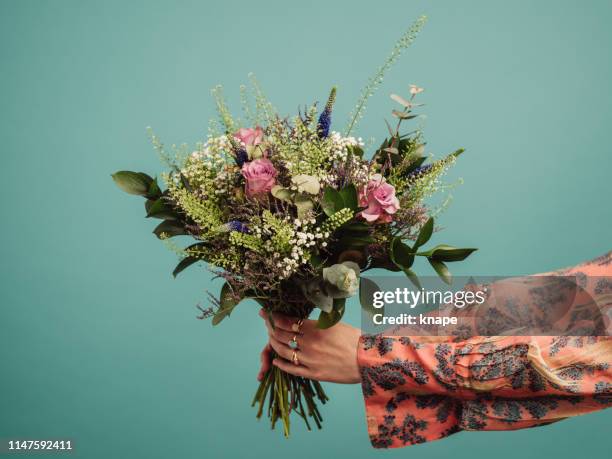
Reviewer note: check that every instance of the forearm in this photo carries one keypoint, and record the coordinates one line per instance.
(422, 389)
(418, 391)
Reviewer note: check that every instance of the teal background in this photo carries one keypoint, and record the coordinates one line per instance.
(99, 344)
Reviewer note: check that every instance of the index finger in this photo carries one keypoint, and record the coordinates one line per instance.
(283, 321)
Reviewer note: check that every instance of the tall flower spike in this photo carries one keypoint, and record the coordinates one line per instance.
(325, 118)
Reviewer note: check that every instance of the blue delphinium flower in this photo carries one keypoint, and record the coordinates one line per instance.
(241, 157)
(236, 225)
(419, 170)
(325, 117)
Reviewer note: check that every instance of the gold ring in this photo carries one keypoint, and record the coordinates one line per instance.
(294, 358)
(293, 344)
(296, 326)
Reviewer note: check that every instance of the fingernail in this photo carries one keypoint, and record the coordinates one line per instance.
(275, 362)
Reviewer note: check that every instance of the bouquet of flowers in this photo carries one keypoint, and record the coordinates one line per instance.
(290, 213)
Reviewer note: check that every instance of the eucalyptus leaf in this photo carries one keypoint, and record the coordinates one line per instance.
(316, 293)
(304, 204)
(279, 192)
(306, 184)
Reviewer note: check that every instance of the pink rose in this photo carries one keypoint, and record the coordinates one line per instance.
(250, 136)
(380, 199)
(260, 176)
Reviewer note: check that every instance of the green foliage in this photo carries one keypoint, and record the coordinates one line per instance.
(441, 269)
(227, 303)
(403, 255)
(447, 253)
(367, 288)
(169, 228)
(374, 82)
(331, 318)
(137, 183)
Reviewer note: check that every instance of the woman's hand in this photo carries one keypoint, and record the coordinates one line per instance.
(324, 355)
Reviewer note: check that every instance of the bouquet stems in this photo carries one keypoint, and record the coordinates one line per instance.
(286, 393)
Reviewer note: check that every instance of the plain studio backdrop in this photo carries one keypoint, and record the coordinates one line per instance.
(99, 343)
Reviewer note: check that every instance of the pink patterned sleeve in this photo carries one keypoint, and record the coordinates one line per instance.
(423, 389)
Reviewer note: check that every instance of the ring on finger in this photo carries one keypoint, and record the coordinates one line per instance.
(293, 344)
(296, 326)
(294, 358)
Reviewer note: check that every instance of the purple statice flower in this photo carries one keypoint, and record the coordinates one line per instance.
(324, 123)
(236, 225)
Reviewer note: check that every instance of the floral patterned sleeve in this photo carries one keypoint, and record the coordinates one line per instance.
(423, 389)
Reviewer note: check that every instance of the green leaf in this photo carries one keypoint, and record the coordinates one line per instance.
(137, 183)
(410, 274)
(425, 233)
(228, 303)
(160, 209)
(303, 204)
(332, 201)
(401, 254)
(414, 165)
(316, 261)
(442, 270)
(190, 259)
(356, 228)
(457, 153)
(279, 192)
(355, 150)
(367, 287)
(184, 264)
(148, 204)
(306, 184)
(356, 256)
(447, 253)
(329, 319)
(355, 241)
(154, 190)
(349, 197)
(170, 228)
(450, 255)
